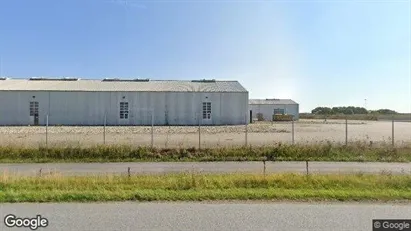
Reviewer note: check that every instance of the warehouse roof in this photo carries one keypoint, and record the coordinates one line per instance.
(272, 101)
(142, 85)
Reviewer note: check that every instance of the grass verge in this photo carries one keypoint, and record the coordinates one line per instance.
(312, 152)
(199, 187)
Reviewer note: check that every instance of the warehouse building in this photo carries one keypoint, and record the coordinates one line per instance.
(73, 101)
(266, 108)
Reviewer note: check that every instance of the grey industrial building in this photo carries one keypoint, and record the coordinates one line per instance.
(73, 101)
(268, 107)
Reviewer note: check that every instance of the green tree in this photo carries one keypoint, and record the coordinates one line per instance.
(339, 110)
(322, 111)
(350, 110)
(386, 111)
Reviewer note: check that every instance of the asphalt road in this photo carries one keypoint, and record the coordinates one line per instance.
(205, 167)
(202, 216)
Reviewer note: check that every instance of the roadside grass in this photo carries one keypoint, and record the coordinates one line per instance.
(359, 151)
(200, 187)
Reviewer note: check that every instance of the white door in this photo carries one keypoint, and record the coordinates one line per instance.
(206, 113)
(34, 113)
(124, 114)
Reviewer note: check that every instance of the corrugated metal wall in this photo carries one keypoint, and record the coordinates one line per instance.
(268, 110)
(89, 108)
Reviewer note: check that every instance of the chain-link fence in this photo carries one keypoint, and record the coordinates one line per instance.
(303, 131)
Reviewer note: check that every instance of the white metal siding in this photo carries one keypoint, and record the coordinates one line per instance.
(89, 108)
(234, 109)
(15, 108)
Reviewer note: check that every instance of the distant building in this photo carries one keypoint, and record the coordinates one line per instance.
(266, 108)
(72, 101)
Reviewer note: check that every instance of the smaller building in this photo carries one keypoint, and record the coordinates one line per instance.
(264, 109)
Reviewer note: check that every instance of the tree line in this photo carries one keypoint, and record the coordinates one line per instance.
(350, 110)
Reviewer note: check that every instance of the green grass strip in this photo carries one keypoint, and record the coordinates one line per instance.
(199, 187)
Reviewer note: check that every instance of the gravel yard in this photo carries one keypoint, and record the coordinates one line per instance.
(305, 131)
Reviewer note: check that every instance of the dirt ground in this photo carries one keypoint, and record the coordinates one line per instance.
(305, 131)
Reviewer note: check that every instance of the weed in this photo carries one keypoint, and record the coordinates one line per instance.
(359, 151)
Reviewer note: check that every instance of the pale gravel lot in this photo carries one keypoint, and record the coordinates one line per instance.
(305, 131)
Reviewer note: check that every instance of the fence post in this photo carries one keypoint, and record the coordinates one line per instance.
(346, 131)
(306, 166)
(246, 130)
(292, 124)
(393, 141)
(152, 128)
(47, 132)
(104, 128)
(264, 170)
(199, 132)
